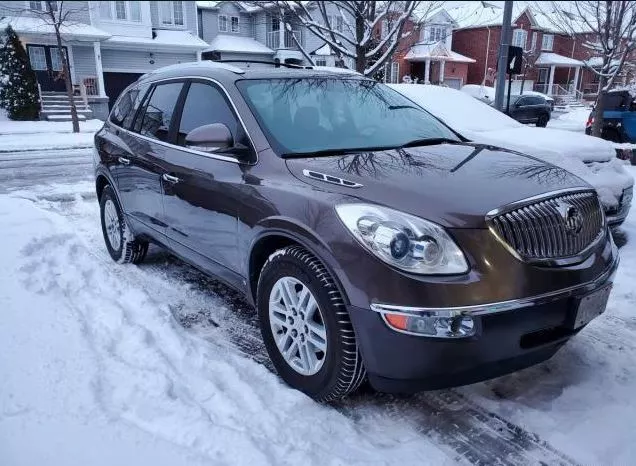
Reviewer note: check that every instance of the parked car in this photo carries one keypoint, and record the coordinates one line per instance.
(487, 94)
(592, 159)
(619, 117)
(529, 109)
(373, 241)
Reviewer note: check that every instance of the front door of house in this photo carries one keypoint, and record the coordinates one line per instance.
(46, 61)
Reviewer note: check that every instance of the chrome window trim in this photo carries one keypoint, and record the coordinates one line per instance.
(223, 158)
(503, 306)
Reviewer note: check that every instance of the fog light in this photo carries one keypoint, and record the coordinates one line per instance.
(440, 326)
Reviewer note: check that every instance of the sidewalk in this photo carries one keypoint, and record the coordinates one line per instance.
(38, 135)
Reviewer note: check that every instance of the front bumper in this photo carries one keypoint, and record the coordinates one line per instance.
(510, 336)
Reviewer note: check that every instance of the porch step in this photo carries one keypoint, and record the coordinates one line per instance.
(65, 112)
(64, 107)
(64, 118)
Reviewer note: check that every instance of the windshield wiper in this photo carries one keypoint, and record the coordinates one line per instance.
(430, 142)
(398, 107)
(330, 152)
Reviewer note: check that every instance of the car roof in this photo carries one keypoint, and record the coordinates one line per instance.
(243, 70)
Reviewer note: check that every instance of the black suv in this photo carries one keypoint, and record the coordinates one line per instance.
(530, 109)
(372, 240)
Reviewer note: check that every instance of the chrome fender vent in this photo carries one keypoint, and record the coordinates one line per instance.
(330, 179)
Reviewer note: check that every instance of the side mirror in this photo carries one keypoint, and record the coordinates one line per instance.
(209, 138)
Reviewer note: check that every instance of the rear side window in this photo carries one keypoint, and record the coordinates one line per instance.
(205, 105)
(124, 111)
(159, 111)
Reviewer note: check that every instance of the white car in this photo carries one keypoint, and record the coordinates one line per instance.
(592, 159)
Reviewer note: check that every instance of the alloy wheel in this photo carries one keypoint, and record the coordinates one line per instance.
(111, 222)
(297, 325)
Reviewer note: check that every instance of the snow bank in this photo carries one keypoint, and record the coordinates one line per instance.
(99, 360)
(37, 135)
(573, 120)
(33, 127)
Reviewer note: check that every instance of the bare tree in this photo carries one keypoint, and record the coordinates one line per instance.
(608, 30)
(354, 29)
(59, 15)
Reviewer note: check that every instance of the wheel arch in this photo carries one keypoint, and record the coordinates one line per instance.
(278, 233)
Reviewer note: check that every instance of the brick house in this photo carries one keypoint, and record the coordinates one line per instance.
(554, 63)
(425, 54)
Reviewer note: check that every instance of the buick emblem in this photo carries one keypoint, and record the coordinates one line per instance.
(572, 218)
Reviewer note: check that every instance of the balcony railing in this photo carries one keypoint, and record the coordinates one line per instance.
(272, 39)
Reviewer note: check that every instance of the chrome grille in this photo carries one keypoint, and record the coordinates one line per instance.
(557, 227)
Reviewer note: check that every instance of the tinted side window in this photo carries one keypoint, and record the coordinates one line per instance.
(159, 111)
(538, 101)
(136, 95)
(523, 101)
(204, 105)
(122, 109)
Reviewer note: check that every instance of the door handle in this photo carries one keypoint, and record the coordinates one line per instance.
(124, 161)
(170, 178)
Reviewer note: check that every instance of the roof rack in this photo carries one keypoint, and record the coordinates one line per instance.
(276, 64)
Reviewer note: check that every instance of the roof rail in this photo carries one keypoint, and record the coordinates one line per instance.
(276, 64)
(202, 63)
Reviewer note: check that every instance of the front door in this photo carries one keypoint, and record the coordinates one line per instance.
(46, 61)
(202, 191)
(139, 175)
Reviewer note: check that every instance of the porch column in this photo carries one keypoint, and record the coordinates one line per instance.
(198, 55)
(281, 35)
(427, 71)
(551, 80)
(576, 79)
(97, 49)
(442, 65)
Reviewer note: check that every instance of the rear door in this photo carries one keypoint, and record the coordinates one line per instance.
(139, 177)
(203, 190)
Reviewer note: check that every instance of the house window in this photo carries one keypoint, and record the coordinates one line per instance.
(56, 59)
(234, 20)
(171, 13)
(436, 33)
(320, 61)
(395, 72)
(120, 10)
(547, 42)
(222, 23)
(385, 29)
(519, 38)
(41, 6)
(533, 45)
(37, 57)
(336, 23)
(543, 76)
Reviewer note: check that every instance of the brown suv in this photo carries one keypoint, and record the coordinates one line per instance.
(373, 241)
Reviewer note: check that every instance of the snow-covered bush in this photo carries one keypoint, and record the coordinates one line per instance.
(18, 83)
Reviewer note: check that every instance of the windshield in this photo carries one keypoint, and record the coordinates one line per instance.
(309, 115)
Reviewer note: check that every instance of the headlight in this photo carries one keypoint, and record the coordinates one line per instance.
(409, 243)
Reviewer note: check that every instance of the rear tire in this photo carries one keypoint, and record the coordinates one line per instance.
(120, 242)
(542, 122)
(334, 367)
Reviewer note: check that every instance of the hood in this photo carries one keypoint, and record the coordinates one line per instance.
(454, 185)
(592, 159)
(535, 140)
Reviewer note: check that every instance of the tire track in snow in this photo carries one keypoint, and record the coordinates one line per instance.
(468, 432)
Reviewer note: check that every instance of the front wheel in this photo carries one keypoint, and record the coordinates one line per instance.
(120, 242)
(306, 327)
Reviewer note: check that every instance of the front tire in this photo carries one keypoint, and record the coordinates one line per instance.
(120, 242)
(306, 327)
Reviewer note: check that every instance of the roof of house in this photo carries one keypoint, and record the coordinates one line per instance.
(542, 16)
(37, 26)
(435, 51)
(549, 58)
(227, 43)
(163, 39)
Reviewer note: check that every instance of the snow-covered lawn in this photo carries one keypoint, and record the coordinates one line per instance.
(37, 135)
(156, 364)
(573, 120)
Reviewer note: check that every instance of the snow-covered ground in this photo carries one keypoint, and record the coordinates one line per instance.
(105, 364)
(573, 120)
(38, 135)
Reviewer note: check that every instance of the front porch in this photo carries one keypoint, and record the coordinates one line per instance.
(434, 63)
(558, 77)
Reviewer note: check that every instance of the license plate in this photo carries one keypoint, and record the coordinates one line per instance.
(591, 306)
